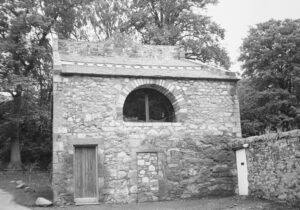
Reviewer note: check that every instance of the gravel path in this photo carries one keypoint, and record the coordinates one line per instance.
(224, 203)
(228, 203)
(7, 202)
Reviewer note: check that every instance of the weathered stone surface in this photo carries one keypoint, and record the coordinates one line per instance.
(133, 189)
(122, 174)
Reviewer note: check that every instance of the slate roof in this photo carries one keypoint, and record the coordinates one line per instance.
(132, 60)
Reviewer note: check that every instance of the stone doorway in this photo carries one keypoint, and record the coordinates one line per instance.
(147, 169)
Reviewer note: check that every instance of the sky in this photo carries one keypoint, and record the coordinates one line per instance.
(236, 17)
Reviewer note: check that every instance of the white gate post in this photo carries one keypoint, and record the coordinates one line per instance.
(242, 170)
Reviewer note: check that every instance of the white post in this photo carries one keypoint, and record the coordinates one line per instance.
(242, 170)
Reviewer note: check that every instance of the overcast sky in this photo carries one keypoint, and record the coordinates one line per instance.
(237, 15)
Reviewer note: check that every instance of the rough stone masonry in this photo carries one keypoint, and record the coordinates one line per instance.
(274, 166)
(142, 161)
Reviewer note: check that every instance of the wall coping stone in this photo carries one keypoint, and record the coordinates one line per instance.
(238, 143)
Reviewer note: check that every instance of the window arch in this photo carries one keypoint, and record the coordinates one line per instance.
(148, 105)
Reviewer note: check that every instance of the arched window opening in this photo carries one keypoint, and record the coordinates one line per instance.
(148, 105)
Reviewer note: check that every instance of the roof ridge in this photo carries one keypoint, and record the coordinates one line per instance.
(65, 61)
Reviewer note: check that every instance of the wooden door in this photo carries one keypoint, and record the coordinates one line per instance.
(85, 175)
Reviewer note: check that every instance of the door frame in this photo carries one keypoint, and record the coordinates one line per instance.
(87, 143)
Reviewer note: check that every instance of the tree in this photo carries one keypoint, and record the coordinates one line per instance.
(17, 113)
(106, 17)
(172, 22)
(157, 22)
(26, 63)
(25, 59)
(269, 93)
(68, 18)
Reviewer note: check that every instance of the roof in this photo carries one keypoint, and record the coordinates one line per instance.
(131, 60)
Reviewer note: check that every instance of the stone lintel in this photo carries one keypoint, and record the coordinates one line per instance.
(272, 137)
(86, 141)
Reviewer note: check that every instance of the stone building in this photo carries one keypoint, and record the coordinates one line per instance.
(136, 123)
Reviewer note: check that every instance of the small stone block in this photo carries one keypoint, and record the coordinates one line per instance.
(141, 162)
(151, 168)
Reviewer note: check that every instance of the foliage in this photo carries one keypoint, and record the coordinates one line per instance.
(179, 23)
(106, 17)
(68, 18)
(269, 93)
(33, 123)
(166, 22)
(25, 72)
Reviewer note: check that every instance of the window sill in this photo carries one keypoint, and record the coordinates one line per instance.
(152, 124)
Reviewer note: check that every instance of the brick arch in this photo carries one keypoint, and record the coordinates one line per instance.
(175, 95)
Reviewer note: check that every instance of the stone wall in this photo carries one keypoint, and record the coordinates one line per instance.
(274, 166)
(193, 156)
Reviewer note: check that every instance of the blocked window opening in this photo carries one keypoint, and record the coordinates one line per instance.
(148, 105)
(148, 184)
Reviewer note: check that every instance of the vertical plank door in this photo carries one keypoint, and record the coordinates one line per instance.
(85, 175)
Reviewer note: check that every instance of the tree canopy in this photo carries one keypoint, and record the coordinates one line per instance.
(269, 93)
(179, 23)
(157, 22)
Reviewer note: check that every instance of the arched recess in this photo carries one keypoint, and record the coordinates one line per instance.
(175, 95)
(148, 105)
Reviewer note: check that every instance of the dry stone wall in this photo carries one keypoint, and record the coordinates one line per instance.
(274, 166)
(188, 158)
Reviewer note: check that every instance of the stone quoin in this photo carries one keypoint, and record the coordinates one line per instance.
(101, 155)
